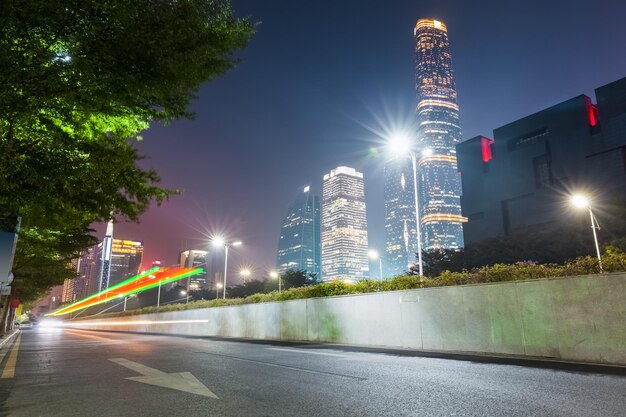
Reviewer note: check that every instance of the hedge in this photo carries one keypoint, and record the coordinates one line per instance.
(612, 261)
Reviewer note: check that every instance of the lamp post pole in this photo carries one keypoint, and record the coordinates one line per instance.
(225, 268)
(159, 295)
(594, 226)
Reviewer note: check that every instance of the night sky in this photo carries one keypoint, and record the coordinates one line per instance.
(318, 73)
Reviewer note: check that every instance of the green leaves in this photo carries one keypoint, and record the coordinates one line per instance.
(82, 79)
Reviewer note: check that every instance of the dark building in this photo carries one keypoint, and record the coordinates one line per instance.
(400, 229)
(299, 242)
(527, 172)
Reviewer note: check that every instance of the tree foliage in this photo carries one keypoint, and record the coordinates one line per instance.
(80, 81)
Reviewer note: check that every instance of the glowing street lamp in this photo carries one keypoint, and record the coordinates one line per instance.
(245, 273)
(218, 286)
(185, 293)
(276, 275)
(583, 202)
(400, 145)
(375, 256)
(218, 241)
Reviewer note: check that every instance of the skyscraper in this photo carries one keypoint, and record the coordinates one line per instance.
(437, 114)
(126, 258)
(400, 229)
(104, 258)
(194, 259)
(299, 242)
(344, 226)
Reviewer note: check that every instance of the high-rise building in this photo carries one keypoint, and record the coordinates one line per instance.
(299, 242)
(344, 226)
(126, 258)
(438, 132)
(194, 259)
(400, 229)
(104, 258)
(525, 175)
(117, 259)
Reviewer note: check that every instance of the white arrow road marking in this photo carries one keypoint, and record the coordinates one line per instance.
(181, 381)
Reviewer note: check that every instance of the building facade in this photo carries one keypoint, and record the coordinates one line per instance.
(526, 173)
(299, 241)
(344, 244)
(438, 133)
(118, 259)
(400, 227)
(194, 259)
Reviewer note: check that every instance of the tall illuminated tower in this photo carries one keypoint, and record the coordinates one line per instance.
(438, 132)
(344, 226)
(105, 250)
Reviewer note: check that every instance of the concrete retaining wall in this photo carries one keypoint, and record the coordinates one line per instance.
(577, 318)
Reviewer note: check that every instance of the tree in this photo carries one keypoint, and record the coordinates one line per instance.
(295, 278)
(80, 81)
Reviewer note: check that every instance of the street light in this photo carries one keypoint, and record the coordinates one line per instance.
(583, 202)
(276, 275)
(218, 286)
(245, 273)
(220, 241)
(400, 145)
(374, 255)
(184, 292)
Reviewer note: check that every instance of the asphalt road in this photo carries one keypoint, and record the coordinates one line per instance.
(63, 372)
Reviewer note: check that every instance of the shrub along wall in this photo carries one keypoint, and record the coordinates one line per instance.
(613, 261)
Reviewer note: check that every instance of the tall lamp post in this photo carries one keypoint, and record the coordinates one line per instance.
(581, 201)
(218, 286)
(375, 256)
(400, 145)
(219, 241)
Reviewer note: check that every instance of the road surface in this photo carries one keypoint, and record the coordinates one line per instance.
(65, 372)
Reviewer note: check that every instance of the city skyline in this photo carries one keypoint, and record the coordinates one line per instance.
(497, 76)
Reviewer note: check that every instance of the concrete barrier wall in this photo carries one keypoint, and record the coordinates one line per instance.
(576, 318)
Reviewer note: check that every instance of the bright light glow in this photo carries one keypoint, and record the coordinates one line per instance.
(427, 152)
(219, 285)
(273, 274)
(218, 241)
(50, 322)
(183, 292)
(245, 272)
(237, 243)
(373, 254)
(124, 323)
(132, 285)
(580, 201)
(400, 144)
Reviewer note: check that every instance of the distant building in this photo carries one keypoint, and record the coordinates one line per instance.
(400, 228)
(344, 226)
(194, 259)
(126, 259)
(117, 259)
(524, 175)
(105, 249)
(299, 241)
(437, 114)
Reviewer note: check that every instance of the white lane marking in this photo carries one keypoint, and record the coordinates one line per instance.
(310, 352)
(180, 381)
